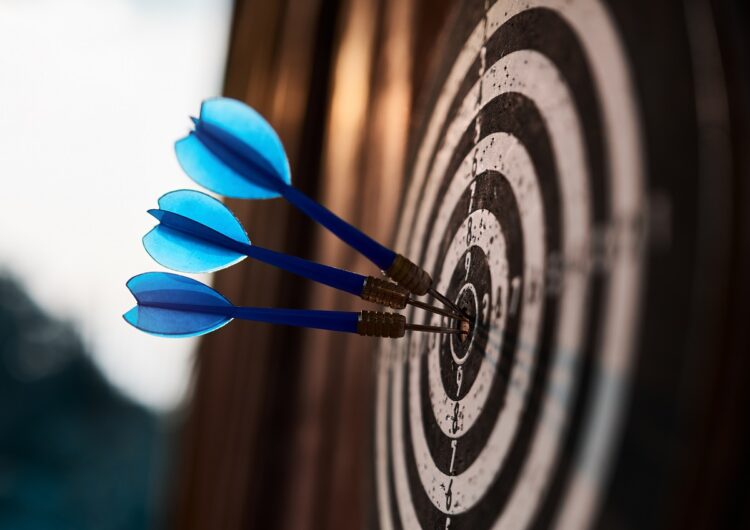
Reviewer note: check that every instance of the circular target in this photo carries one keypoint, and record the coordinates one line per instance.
(524, 204)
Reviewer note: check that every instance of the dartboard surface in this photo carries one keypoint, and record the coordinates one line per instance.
(525, 204)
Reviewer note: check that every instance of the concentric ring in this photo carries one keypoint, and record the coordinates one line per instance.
(520, 169)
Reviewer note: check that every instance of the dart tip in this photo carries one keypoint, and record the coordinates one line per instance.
(194, 120)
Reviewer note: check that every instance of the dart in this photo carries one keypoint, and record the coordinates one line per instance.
(234, 151)
(197, 233)
(170, 305)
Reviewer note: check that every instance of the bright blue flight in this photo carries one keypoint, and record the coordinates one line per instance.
(170, 305)
(234, 152)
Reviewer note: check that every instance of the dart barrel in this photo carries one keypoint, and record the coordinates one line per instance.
(379, 324)
(409, 275)
(384, 293)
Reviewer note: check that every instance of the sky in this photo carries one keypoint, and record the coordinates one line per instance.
(93, 94)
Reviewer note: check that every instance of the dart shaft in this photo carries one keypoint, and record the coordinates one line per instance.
(369, 288)
(378, 254)
(344, 280)
(329, 320)
(230, 151)
(446, 302)
(407, 274)
(337, 278)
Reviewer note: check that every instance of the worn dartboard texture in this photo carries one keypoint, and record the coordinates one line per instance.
(525, 205)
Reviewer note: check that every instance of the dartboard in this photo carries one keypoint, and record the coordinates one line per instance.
(528, 201)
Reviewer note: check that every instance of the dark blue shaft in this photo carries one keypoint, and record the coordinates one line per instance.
(233, 153)
(381, 256)
(344, 280)
(329, 320)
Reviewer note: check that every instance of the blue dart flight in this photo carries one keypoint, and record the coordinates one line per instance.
(235, 152)
(197, 233)
(170, 305)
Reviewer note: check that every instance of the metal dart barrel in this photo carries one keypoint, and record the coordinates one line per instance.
(393, 325)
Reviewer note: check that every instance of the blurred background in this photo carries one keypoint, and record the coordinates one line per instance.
(93, 96)
(102, 427)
